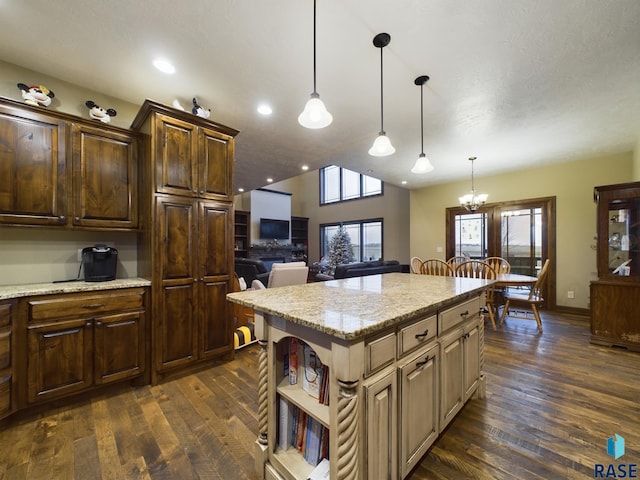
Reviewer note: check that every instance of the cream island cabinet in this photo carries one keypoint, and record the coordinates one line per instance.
(397, 355)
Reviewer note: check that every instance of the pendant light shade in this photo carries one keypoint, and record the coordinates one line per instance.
(315, 114)
(381, 145)
(422, 165)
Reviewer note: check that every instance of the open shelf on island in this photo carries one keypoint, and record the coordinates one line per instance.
(301, 399)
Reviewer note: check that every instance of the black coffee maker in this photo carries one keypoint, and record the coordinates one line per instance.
(99, 263)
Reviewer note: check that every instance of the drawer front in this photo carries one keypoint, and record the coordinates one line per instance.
(458, 314)
(417, 333)
(5, 314)
(85, 305)
(379, 353)
(5, 349)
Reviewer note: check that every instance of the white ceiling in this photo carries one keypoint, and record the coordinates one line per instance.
(513, 82)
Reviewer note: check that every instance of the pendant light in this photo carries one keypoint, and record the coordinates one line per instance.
(471, 201)
(315, 114)
(382, 145)
(422, 165)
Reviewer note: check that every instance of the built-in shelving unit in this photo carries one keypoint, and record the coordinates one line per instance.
(299, 237)
(242, 233)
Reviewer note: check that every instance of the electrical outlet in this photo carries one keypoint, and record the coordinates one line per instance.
(79, 254)
(439, 249)
(570, 294)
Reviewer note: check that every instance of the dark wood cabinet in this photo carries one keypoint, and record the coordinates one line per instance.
(299, 238)
(105, 177)
(7, 358)
(60, 170)
(615, 310)
(76, 341)
(33, 190)
(187, 243)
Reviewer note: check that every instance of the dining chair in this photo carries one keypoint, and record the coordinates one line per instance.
(480, 269)
(435, 266)
(457, 260)
(499, 264)
(414, 264)
(531, 300)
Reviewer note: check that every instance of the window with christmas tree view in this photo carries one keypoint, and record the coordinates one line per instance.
(364, 240)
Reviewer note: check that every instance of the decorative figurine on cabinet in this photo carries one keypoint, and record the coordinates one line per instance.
(200, 111)
(36, 95)
(98, 113)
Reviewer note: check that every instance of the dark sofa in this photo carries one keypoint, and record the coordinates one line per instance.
(361, 269)
(251, 269)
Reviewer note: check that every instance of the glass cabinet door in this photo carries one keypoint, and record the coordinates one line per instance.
(619, 231)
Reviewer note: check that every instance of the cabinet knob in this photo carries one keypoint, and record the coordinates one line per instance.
(62, 219)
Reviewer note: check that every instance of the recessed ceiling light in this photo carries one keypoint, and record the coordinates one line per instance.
(269, 179)
(404, 182)
(265, 109)
(164, 66)
(241, 189)
(305, 167)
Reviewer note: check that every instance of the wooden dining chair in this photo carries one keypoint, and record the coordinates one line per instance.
(531, 300)
(457, 260)
(415, 264)
(499, 264)
(480, 269)
(435, 266)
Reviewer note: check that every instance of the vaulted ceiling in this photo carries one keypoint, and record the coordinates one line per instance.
(513, 82)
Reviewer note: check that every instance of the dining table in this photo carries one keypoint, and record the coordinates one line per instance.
(507, 280)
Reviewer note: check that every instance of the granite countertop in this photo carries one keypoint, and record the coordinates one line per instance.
(26, 290)
(354, 307)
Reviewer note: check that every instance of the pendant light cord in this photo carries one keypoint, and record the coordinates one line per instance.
(314, 48)
(421, 120)
(381, 100)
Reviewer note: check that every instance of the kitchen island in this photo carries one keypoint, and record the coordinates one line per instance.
(402, 354)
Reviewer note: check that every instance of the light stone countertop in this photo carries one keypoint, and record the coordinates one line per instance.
(30, 289)
(355, 307)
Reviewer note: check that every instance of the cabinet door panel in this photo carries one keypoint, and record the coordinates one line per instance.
(381, 420)
(32, 169)
(59, 359)
(215, 237)
(119, 347)
(215, 164)
(176, 219)
(104, 178)
(419, 406)
(452, 377)
(176, 157)
(471, 359)
(216, 335)
(176, 333)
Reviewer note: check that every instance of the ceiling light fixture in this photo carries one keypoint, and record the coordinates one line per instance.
(471, 201)
(381, 145)
(164, 66)
(315, 114)
(264, 109)
(422, 165)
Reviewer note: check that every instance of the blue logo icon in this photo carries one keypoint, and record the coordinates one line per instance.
(615, 446)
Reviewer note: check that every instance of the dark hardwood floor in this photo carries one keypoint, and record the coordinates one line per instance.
(552, 402)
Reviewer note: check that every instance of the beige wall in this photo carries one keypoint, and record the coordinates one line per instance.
(636, 162)
(393, 207)
(69, 98)
(571, 183)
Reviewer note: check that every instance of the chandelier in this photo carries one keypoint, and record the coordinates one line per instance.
(471, 201)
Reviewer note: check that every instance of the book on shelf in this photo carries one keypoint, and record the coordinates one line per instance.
(321, 472)
(312, 372)
(286, 426)
(293, 361)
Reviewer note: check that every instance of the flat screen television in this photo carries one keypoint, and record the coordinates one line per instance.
(274, 229)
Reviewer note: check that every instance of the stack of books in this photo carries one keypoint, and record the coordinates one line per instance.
(305, 433)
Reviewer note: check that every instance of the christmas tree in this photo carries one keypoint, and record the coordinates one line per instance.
(340, 250)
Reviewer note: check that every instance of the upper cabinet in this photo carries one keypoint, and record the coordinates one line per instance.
(105, 176)
(61, 170)
(193, 157)
(619, 231)
(32, 167)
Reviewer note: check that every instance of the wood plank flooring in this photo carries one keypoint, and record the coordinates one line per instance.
(552, 402)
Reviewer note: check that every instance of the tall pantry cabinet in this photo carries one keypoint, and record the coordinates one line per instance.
(186, 242)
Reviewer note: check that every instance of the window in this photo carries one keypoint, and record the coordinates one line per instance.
(339, 184)
(366, 238)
